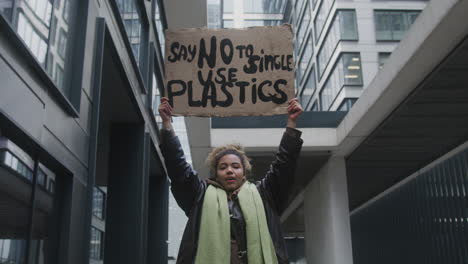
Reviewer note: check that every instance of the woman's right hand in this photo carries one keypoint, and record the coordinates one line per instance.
(165, 112)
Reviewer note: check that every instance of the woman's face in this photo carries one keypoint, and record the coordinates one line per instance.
(230, 172)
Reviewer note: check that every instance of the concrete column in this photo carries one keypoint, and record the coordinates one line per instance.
(326, 216)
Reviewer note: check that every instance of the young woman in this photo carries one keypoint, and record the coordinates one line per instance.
(231, 220)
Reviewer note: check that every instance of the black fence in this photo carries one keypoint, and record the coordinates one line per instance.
(423, 221)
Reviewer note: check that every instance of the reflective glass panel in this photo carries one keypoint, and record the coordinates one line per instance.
(338, 31)
(259, 23)
(227, 23)
(159, 28)
(214, 13)
(308, 90)
(305, 59)
(346, 71)
(37, 24)
(347, 104)
(321, 17)
(96, 244)
(263, 6)
(304, 25)
(156, 101)
(15, 210)
(228, 6)
(99, 200)
(392, 25)
(131, 18)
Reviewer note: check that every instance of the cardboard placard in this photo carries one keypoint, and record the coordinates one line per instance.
(229, 72)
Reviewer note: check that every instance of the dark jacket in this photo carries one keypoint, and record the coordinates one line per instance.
(189, 190)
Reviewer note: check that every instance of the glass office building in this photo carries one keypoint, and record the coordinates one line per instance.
(80, 171)
(341, 45)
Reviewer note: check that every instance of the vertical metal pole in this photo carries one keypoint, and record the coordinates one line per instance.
(29, 256)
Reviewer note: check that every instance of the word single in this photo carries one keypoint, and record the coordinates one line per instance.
(227, 51)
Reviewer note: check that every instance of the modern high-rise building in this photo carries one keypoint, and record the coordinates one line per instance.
(341, 45)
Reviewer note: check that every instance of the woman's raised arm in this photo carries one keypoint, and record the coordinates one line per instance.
(185, 183)
(279, 179)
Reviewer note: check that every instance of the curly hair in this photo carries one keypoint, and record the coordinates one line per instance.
(217, 153)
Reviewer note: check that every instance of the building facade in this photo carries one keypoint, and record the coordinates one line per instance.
(82, 179)
(341, 45)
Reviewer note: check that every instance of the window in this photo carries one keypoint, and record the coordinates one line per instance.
(15, 233)
(66, 10)
(96, 244)
(41, 8)
(59, 75)
(53, 32)
(51, 186)
(314, 107)
(314, 4)
(133, 26)
(347, 104)
(383, 57)
(321, 17)
(228, 23)
(32, 38)
(260, 6)
(99, 202)
(343, 27)
(156, 101)
(159, 26)
(303, 26)
(305, 59)
(45, 31)
(6, 9)
(41, 178)
(346, 72)
(392, 25)
(259, 23)
(308, 90)
(298, 6)
(228, 6)
(62, 44)
(13, 163)
(214, 13)
(348, 24)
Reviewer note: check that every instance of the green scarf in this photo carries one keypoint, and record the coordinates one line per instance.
(214, 241)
